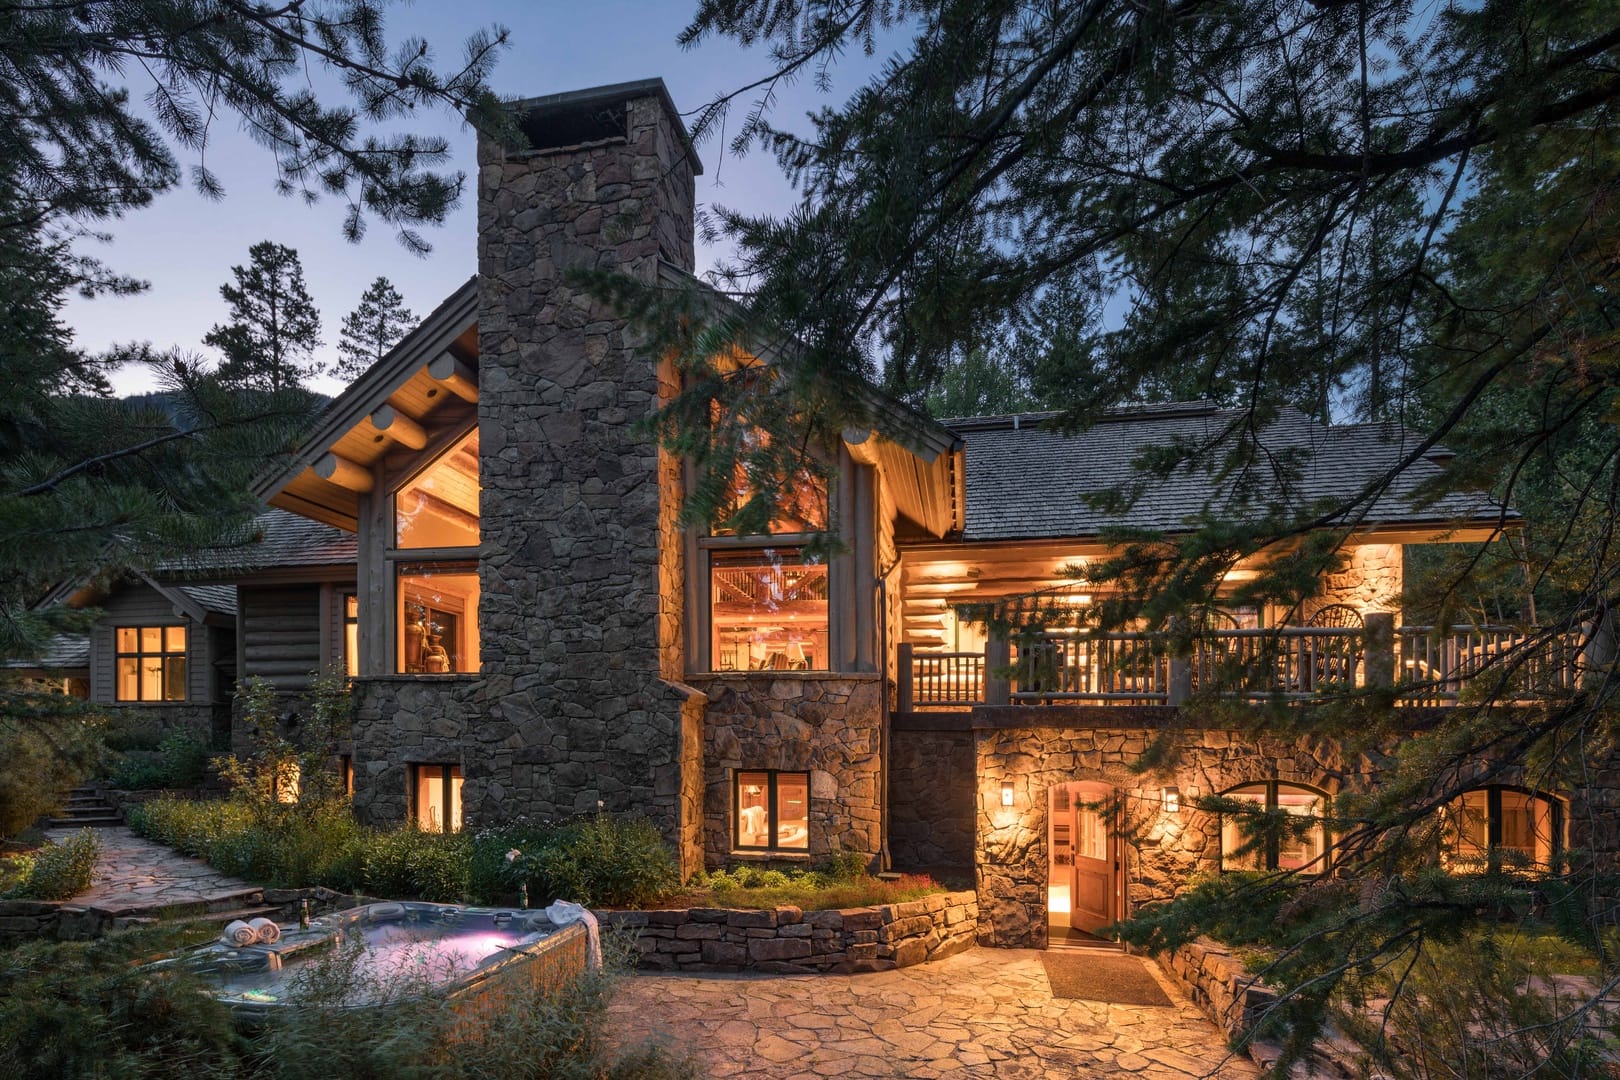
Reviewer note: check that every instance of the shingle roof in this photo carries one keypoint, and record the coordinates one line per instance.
(285, 539)
(66, 652)
(220, 598)
(1024, 481)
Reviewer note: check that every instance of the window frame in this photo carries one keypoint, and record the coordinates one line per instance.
(446, 800)
(786, 544)
(350, 649)
(1557, 824)
(163, 655)
(394, 556)
(772, 812)
(1272, 855)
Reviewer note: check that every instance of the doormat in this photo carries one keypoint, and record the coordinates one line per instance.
(1095, 975)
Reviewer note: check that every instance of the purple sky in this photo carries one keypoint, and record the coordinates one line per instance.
(185, 245)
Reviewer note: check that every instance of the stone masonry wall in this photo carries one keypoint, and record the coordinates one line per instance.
(794, 942)
(1166, 849)
(827, 725)
(1370, 581)
(406, 719)
(575, 544)
(932, 800)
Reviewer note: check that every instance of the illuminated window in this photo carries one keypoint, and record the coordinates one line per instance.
(439, 508)
(772, 810)
(1284, 844)
(150, 663)
(351, 635)
(436, 797)
(346, 768)
(768, 611)
(801, 499)
(1502, 826)
(438, 618)
(436, 592)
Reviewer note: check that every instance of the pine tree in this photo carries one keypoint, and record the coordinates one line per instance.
(371, 329)
(270, 342)
(1367, 211)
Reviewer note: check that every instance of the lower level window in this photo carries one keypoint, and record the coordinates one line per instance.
(1249, 842)
(151, 663)
(772, 810)
(436, 797)
(1502, 825)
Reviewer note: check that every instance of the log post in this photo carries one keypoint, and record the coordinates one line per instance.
(903, 691)
(1180, 688)
(997, 658)
(1378, 648)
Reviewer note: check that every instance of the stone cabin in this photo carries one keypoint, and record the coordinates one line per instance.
(530, 632)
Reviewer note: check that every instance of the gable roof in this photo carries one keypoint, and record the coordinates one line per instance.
(400, 379)
(1027, 481)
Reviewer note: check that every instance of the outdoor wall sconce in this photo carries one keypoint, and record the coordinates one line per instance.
(1006, 793)
(1172, 800)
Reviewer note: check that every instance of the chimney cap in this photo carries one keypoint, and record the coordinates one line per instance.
(612, 94)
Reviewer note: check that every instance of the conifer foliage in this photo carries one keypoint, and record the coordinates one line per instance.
(274, 329)
(1366, 210)
(371, 329)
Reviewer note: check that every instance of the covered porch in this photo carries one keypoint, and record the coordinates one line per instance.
(1423, 665)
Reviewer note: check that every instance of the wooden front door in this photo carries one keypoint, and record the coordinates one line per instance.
(1095, 879)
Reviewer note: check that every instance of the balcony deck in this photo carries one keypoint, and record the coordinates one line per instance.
(1425, 667)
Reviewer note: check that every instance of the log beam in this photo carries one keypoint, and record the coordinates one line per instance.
(394, 424)
(457, 377)
(343, 472)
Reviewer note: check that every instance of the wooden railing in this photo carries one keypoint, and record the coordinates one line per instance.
(1510, 663)
(1120, 667)
(947, 679)
(1424, 666)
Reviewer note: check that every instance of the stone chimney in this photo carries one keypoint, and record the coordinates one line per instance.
(581, 573)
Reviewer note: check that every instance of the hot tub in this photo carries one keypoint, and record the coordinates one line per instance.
(372, 955)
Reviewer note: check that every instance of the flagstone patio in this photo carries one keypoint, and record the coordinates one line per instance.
(986, 1012)
(136, 877)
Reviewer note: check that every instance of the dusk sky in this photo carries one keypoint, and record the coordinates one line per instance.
(185, 245)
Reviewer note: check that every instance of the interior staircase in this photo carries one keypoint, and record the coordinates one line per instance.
(86, 807)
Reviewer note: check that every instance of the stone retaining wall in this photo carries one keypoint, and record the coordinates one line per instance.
(1218, 983)
(794, 942)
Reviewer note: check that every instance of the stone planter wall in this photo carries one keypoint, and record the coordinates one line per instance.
(1218, 983)
(790, 941)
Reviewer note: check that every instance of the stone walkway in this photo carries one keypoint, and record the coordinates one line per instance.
(986, 1012)
(135, 875)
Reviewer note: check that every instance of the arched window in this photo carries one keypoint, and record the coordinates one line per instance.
(1502, 825)
(1299, 846)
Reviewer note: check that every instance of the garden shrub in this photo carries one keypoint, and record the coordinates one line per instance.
(751, 886)
(39, 764)
(410, 862)
(57, 871)
(491, 878)
(180, 761)
(601, 861)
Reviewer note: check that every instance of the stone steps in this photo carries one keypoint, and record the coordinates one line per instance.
(85, 809)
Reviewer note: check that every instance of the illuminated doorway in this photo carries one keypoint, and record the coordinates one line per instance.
(1085, 888)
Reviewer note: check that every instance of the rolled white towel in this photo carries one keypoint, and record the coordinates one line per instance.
(265, 931)
(239, 933)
